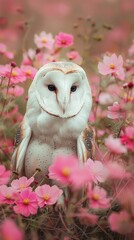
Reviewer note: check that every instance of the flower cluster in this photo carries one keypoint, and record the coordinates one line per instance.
(23, 198)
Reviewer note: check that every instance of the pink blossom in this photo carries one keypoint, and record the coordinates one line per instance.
(10, 231)
(125, 196)
(21, 183)
(4, 175)
(97, 170)
(3, 48)
(29, 71)
(116, 171)
(6, 145)
(85, 217)
(26, 203)
(18, 118)
(16, 91)
(112, 65)
(92, 117)
(98, 197)
(105, 98)
(116, 111)
(100, 133)
(44, 40)
(115, 145)
(17, 75)
(28, 57)
(62, 168)
(3, 51)
(121, 222)
(43, 58)
(79, 177)
(7, 195)
(131, 49)
(9, 55)
(75, 57)
(3, 70)
(127, 138)
(47, 195)
(63, 40)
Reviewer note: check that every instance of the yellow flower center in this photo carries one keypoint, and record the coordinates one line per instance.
(28, 72)
(8, 196)
(66, 171)
(14, 73)
(44, 40)
(46, 197)
(95, 197)
(112, 66)
(26, 201)
(22, 186)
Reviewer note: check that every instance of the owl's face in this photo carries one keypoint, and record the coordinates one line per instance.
(62, 94)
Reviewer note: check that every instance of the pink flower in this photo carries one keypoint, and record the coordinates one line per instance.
(128, 138)
(3, 48)
(44, 40)
(85, 217)
(74, 56)
(97, 171)
(4, 70)
(116, 111)
(26, 203)
(98, 197)
(21, 183)
(105, 98)
(63, 40)
(3, 51)
(29, 71)
(131, 49)
(115, 145)
(62, 168)
(28, 57)
(16, 91)
(125, 196)
(7, 195)
(17, 75)
(112, 65)
(10, 231)
(116, 171)
(4, 175)
(79, 177)
(9, 55)
(47, 195)
(6, 145)
(121, 222)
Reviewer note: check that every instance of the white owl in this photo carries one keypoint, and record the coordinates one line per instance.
(56, 119)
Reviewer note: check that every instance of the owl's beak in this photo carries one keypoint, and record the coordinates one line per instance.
(63, 103)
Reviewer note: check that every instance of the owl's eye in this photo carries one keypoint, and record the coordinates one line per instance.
(73, 88)
(51, 88)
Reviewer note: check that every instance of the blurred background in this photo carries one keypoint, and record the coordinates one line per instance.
(110, 23)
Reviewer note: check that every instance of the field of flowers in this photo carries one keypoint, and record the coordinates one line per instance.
(28, 209)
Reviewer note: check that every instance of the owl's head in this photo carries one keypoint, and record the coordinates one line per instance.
(61, 89)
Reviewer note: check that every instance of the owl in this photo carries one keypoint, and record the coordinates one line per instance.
(56, 120)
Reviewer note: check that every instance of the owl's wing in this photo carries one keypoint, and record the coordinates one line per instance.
(86, 144)
(22, 139)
